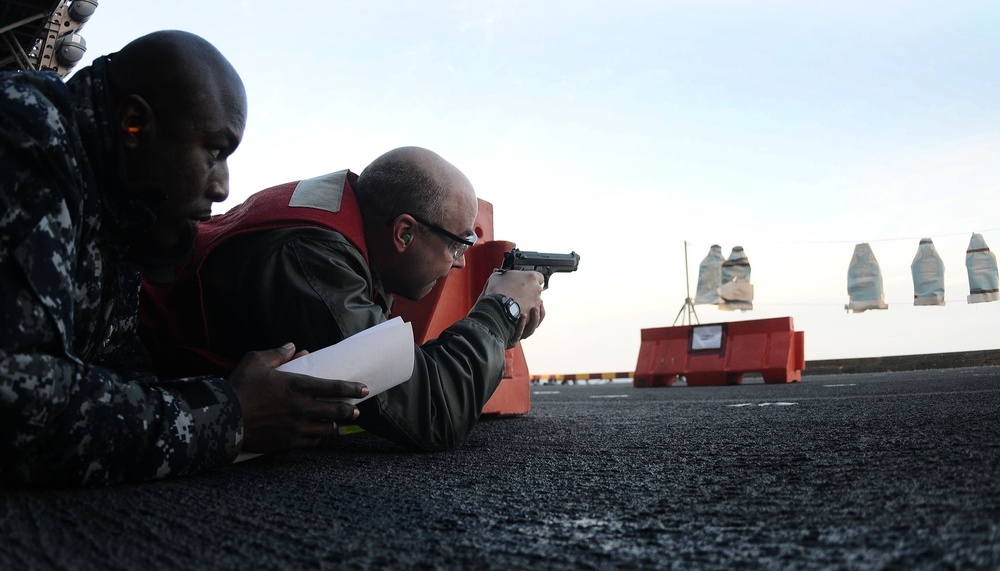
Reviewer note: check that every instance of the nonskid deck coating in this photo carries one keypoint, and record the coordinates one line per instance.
(869, 471)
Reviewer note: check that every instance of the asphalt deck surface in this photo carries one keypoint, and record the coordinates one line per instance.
(858, 471)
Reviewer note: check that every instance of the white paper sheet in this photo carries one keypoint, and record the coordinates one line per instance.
(381, 357)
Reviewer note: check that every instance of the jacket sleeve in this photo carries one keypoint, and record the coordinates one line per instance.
(310, 286)
(65, 421)
(69, 424)
(453, 377)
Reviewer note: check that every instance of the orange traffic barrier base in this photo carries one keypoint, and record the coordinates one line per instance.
(453, 297)
(721, 353)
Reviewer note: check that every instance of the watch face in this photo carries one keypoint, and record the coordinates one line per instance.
(513, 310)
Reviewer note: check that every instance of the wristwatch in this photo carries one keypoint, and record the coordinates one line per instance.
(510, 307)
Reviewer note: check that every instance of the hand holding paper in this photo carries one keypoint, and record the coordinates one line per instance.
(381, 357)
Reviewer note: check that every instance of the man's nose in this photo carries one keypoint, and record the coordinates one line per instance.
(218, 188)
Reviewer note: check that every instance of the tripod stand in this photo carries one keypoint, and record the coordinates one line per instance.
(687, 310)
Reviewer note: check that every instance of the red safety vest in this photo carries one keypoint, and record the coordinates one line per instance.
(173, 325)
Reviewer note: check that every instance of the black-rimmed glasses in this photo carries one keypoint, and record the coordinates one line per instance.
(459, 244)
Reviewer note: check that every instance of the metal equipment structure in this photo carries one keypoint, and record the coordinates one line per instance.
(41, 35)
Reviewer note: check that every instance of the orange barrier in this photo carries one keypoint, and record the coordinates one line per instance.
(720, 353)
(453, 297)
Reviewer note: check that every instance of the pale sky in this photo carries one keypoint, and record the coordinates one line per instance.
(620, 130)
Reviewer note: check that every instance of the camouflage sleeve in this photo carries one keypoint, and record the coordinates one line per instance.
(69, 424)
(63, 420)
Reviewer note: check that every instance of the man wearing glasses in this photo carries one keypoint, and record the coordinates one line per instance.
(316, 261)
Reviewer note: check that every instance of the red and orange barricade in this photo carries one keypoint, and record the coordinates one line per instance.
(721, 353)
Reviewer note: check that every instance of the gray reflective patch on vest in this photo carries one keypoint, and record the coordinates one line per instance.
(323, 192)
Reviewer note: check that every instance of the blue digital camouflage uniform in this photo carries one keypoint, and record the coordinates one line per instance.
(77, 403)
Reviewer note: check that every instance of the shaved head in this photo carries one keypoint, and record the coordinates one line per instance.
(409, 180)
(175, 71)
(419, 212)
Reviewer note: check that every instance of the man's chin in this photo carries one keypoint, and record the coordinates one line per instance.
(413, 296)
(417, 295)
(150, 254)
(428, 289)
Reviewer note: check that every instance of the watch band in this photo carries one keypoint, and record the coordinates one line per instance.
(511, 309)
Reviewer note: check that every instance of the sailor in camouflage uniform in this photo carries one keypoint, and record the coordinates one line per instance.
(89, 195)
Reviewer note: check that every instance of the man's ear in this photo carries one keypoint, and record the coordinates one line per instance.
(404, 227)
(135, 119)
